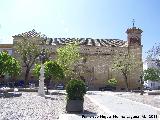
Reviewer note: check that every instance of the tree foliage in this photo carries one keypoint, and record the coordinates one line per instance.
(28, 52)
(152, 74)
(154, 54)
(52, 70)
(125, 64)
(111, 82)
(67, 56)
(36, 70)
(9, 65)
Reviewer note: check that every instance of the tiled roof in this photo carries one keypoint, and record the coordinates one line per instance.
(81, 41)
(89, 41)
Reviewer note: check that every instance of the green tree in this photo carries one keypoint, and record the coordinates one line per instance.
(36, 70)
(152, 74)
(28, 52)
(67, 56)
(125, 64)
(9, 65)
(14, 69)
(52, 71)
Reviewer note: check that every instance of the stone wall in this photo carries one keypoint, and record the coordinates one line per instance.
(99, 57)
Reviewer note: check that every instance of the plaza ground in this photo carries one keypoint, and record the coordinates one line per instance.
(30, 106)
(121, 106)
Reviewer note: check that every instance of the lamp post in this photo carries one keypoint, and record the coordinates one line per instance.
(42, 58)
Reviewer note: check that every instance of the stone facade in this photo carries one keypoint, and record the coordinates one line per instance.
(98, 54)
(7, 48)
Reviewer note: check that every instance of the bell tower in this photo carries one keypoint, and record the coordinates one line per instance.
(134, 35)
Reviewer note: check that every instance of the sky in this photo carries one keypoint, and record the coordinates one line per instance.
(81, 18)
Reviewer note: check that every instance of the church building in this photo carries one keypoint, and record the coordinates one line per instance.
(98, 54)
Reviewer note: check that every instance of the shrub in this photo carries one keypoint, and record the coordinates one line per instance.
(111, 82)
(75, 90)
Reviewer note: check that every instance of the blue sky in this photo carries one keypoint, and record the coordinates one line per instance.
(81, 18)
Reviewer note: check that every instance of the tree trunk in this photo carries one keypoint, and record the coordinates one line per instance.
(126, 82)
(141, 89)
(26, 77)
(141, 82)
(2, 79)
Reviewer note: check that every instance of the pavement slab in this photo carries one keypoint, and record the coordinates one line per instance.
(115, 108)
(124, 108)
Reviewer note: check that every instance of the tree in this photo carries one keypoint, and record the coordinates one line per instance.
(154, 54)
(9, 65)
(52, 71)
(125, 64)
(28, 52)
(152, 74)
(36, 70)
(14, 69)
(67, 56)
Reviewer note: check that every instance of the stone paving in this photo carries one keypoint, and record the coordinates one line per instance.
(30, 106)
(123, 104)
(153, 100)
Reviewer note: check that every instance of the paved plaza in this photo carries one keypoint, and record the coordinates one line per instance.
(104, 105)
(30, 106)
(119, 106)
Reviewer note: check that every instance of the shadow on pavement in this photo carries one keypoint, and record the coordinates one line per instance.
(85, 112)
(9, 95)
